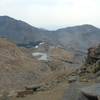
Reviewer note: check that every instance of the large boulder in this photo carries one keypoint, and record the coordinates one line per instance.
(81, 91)
(93, 55)
(73, 92)
(92, 63)
(92, 92)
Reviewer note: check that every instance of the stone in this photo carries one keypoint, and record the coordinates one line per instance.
(92, 92)
(72, 79)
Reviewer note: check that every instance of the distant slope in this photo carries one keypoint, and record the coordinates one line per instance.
(73, 38)
(79, 37)
(19, 31)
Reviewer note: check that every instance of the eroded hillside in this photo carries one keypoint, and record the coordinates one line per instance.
(18, 69)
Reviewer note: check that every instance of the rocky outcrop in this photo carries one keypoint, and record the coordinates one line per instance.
(91, 92)
(92, 63)
(74, 92)
(81, 91)
(93, 55)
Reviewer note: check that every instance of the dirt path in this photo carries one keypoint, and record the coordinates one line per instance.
(52, 94)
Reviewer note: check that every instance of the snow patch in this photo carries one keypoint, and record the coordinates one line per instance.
(36, 46)
(41, 43)
(40, 55)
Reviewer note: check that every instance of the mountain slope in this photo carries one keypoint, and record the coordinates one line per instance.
(20, 31)
(17, 70)
(77, 38)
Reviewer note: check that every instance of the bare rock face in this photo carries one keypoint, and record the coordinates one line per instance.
(92, 63)
(74, 92)
(93, 55)
(92, 92)
(79, 91)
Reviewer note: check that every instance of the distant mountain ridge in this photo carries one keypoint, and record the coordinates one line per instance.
(77, 37)
(17, 30)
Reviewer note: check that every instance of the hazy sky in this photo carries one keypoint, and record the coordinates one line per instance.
(52, 14)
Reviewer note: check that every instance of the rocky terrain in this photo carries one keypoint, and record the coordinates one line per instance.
(87, 87)
(56, 65)
(81, 84)
(92, 64)
(18, 69)
(56, 74)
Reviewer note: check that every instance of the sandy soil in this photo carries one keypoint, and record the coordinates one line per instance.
(52, 94)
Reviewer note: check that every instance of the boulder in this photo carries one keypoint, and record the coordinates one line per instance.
(81, 91)
(92, 62)
(73, 92)
(92, 92)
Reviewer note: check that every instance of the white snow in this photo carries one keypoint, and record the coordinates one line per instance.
(40, 55)
(36, 46)
(41, 43)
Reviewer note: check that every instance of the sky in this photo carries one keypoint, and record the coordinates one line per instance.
(53, 14)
